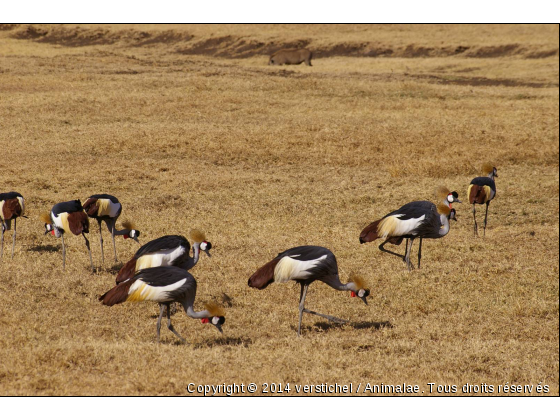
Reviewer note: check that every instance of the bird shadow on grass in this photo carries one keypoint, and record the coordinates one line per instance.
(225, 341)
(362, 325)
(45, 248)
(114, 269)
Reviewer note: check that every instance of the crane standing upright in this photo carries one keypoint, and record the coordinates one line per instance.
(164, 285)
(107, 208)
(305, 264)
(12, 206)
(482, 190)
(68, 216)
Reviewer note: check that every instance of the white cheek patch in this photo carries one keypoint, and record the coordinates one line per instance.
(132, 234)
(361, 293)
(450, 198)
(215, 320)
(203, 246)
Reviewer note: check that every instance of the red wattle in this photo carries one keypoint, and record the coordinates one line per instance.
(125, 236)
(52, 232)
(353, 294)
(205, 320)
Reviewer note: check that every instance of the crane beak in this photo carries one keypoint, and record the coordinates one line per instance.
(219, 327)
(208, 253)
(364, 296)
(458, 201)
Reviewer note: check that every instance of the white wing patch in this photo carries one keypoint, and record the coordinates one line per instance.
(159, 259)
(61, 221)
(140, 291)
(22, 204)
(292, 269)
(393, 226)
(107, 208)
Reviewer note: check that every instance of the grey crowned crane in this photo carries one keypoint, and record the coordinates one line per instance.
(482, 190)
(68, 216)
(445, 196)
(418, 219)
(107, 208)
(164, 285)
(304, 265)
(12, 206)
(170, 250)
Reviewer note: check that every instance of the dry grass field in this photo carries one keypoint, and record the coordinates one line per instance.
(189, 127)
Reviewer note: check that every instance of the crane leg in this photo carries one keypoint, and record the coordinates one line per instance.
(171, 326)
(381, 248)
(14, 238)
(474, 217)
(329, 317)
(302, 295)
(2, 240)
(101, 242)
(63, 253)
(420, 253)
(485, 217)
(408, 251)
(158, 325)
(113, 227)
(405, 247)
(89, 251)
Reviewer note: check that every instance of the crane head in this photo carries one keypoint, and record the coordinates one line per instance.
(489, 170)
(216, 316)
(216, 321)
(133, 234)
(453, 197)
(359, 283)
(362, 294)
(206, 247)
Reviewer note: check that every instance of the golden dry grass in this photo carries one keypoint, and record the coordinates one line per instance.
(263, 159)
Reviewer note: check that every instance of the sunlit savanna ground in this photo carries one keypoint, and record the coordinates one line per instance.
(188, 127)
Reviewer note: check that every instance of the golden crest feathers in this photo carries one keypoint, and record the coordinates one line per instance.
(487, 168)
(197, 236)
(357, 280)
(443, 209)
(442, 192)
(214, 309)
(45, 217)
(128, 225)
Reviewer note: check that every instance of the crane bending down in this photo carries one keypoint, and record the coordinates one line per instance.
(444, 195)
(107, 208)
(305, 264)
(170, 250)
(12, 206)
(418, 219)
(482, 190)
(164, 285)
(68, 216)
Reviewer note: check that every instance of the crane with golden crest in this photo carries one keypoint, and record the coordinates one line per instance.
(165, 285)
(107, 208)
(482, 190)
(12, 206)
(418, 219)
(67, 217)
(304, 265)
(169, 250)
